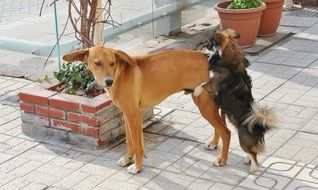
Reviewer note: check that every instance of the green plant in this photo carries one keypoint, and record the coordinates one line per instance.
(75, 77)
(245, 4)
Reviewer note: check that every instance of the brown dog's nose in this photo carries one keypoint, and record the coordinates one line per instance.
(109, 82)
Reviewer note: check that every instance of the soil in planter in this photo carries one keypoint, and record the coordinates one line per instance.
(79, 92)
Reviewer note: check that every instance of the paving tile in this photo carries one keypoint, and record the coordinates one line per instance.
(42, 178)
(265, 181)
(200, 184)
(306, 155)
(35, 186)
(288, 151)
(299, 184)
(4, 157)
(181, 165)
(5, 178)
(168, 144)
(97, 170)
(116, 184)
(147, 175)
(12, 164)
(88, 183)
(168, 180)
(308, 174)
(199, 168)
(71, 180)
(37, 156)
(200, 153)
(310, 127)
(226, 174)
(26, 168)
(54, 171)
(220, 186)
(282, 167)
(19, 183)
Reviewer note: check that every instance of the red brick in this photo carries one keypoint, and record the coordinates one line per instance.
(93, 121)
(95, 104)
(101, 143)
(65, 125)
(91, 131)
(66, 101)
(56, 113)
(42, 110)
(36, 96)
(49, 84)
(27, 107)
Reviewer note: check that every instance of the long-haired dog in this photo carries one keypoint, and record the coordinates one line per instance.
(231, 86)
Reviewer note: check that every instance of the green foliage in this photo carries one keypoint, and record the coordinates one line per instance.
(75, 77)
(245, 4)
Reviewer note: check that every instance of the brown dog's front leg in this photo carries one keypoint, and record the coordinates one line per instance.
(137, 139)
(127, 159)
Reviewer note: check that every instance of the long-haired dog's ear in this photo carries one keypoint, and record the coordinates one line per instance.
(232, 33)
(79, 55)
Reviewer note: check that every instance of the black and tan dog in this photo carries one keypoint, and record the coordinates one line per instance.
(138, 82)
(231, 86)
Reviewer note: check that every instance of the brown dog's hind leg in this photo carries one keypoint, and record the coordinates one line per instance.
(135, 127)
(127, 159)
(209, 111)
(214, 142)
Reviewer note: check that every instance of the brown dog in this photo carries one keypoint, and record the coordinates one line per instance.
(135, 83)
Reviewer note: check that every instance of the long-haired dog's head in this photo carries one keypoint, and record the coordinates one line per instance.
(221, 39)
(224, 42)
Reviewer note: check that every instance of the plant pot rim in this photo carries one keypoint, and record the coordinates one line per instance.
(239, 11)
(271, 1)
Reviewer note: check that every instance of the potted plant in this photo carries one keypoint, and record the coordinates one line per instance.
(270, 17)
(244, 16)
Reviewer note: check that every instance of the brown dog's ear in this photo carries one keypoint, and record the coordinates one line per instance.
(79, 55)
(232, 33)
(123, 58)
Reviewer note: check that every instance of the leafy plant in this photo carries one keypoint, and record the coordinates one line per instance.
(75, 77)
(245, 4)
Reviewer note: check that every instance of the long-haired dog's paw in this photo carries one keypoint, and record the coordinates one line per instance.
(133, 169)
(210, 146)
(254, 168)
(247, 160)
(124, 162)
(197, 91)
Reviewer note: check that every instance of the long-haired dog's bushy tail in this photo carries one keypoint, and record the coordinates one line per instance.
(260, 120)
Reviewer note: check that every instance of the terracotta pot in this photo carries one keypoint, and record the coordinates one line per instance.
(244, 21)
(270, 17)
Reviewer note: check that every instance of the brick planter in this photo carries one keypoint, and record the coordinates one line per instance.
(91, 122)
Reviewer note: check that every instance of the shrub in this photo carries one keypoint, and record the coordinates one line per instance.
(245, 4)
(75, 78)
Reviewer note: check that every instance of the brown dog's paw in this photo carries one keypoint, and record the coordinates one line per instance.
(210, 146)
(124, 162)
(219, 162)
(133, 169)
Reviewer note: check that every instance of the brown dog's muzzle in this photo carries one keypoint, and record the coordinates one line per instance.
(108, 82)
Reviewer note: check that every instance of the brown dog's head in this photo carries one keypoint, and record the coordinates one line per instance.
(220, 39)
(104, 63)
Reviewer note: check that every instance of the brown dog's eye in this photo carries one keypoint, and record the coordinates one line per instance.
(112, 64)
(98, 63)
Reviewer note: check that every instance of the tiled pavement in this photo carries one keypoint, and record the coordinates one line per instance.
(285, 77)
